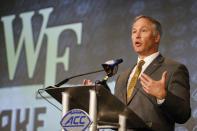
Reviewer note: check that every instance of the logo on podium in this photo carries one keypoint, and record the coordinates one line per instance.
(75, 120)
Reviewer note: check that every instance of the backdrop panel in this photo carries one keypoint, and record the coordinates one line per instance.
(44, 42)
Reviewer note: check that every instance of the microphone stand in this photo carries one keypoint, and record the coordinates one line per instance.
(104, 83)
(67, 79)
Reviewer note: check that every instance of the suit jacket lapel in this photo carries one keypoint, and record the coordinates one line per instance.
(149, 70)
(154, 65)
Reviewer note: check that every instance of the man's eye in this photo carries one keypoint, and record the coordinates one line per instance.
(133, 31)
(144, 30)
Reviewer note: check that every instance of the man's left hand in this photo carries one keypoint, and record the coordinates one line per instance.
(154, 88)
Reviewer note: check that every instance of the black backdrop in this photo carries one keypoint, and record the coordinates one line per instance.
(43, 42)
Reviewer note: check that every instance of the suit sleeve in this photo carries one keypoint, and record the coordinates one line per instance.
(177, 101)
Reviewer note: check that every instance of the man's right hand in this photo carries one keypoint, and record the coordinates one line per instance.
(87, 82)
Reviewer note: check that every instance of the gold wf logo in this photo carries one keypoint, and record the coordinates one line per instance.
(32, 49)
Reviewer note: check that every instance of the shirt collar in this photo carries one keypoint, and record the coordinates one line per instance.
(149, 58)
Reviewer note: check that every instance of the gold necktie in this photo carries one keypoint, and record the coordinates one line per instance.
(134, 79)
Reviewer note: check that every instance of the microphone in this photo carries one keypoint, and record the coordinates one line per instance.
(111, 66)
(67, 79)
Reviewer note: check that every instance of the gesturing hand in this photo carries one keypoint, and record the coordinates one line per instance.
(152, 87)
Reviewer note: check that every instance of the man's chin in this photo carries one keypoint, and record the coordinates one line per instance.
(138, 51)
(141, 53)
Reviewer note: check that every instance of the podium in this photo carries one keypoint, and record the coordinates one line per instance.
(105, 110)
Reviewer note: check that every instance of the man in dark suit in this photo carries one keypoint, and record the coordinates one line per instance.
(157, 89)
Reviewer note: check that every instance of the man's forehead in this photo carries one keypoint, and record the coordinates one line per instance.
(145, 24)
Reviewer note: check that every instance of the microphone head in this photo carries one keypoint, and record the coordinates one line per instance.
(111, 67)
(119, 61)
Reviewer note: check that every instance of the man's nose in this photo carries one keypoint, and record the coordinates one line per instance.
(138, 34)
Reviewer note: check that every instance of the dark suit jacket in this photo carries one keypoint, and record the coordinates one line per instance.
(176, 107)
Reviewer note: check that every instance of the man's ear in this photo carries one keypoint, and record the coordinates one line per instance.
(157, 38)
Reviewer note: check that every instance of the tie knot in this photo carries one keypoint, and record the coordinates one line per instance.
(141, 63)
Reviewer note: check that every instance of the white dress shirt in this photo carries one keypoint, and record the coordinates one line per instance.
(147, 60)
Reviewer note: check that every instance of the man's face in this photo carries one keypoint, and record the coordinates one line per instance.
(144, 41)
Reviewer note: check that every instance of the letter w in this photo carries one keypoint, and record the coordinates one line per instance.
(26, 38)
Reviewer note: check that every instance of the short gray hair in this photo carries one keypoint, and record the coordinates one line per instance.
(156, 24)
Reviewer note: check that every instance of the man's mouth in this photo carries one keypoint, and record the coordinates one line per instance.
(138, 44)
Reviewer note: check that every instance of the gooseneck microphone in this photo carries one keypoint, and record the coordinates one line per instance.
(111, 66)
(67, 79)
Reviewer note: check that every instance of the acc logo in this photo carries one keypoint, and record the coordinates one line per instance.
(75, 120)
